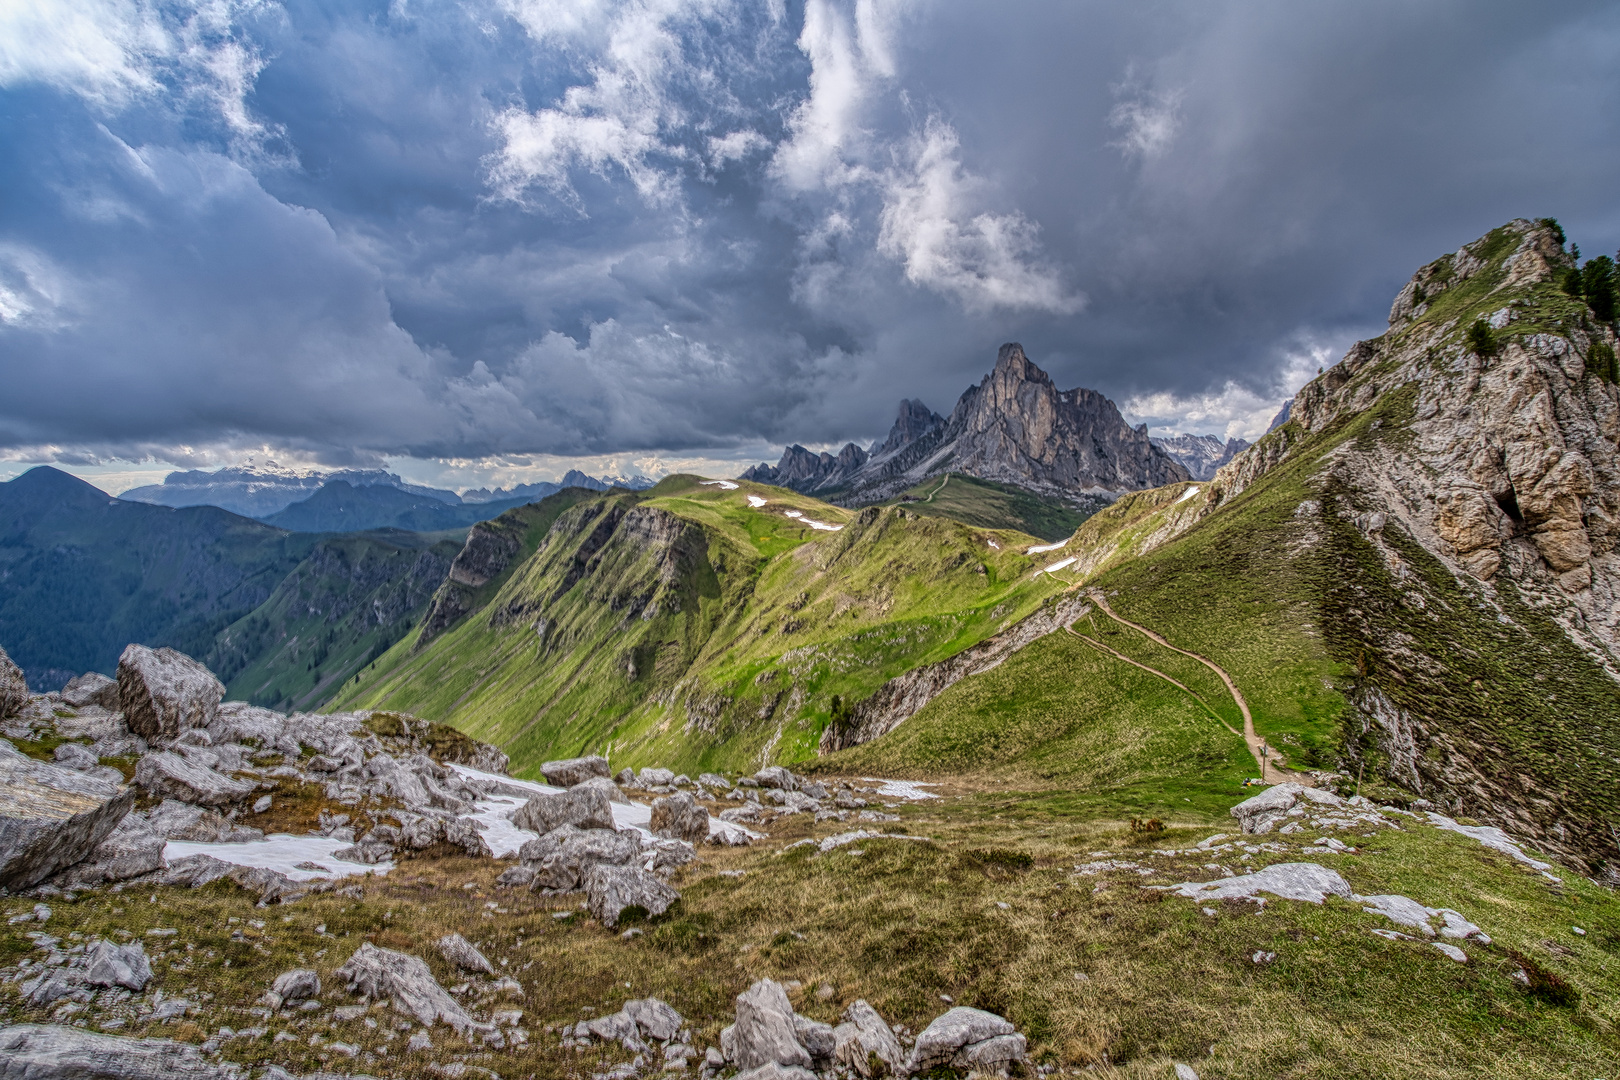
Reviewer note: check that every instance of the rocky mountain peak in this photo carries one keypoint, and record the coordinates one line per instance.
(914, 421)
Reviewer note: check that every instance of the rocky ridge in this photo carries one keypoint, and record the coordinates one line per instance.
(1014, 427)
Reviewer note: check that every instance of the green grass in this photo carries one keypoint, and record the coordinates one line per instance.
(990, 505)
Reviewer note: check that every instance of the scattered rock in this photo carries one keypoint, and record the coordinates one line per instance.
(383, 973)
(587, 808)
(163, 692)
(515, 877)
(656, 1019)
(74, 756)
(461, 953)
(605, 786)
(559, 859)
(863, 1034)
(1451, 951)
(775, 776)
(129, 851)
(571, 771)
(714, 780)
(967, 1038)
(611, 889)
(51, 817)
(763, 1032)
(292, 987)
(170, 775)
(117, 965)
(679, 817)
(626, 778)
(1289, 881)
(91, 688)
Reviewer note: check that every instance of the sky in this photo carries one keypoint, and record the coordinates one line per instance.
(481, 242)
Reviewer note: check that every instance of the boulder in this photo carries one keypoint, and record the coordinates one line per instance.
(107, 964)
(514, 877)
(764, 1032)
(655, 778)
(611, 889)
(656, 1019)
(175, 820)
(863, 1034)
(571, 771)
(955, 1032)
(291, 987)
(172, 776)
(1288, 881)
(679, 817)
(54, 1052)
(561, 858)
(129, 851)
(163, 692)
(91, 688)
(714, 780)
(384, 974)
(461, 953)
(626, 778)
(605, 786)
(817, 1038)
(587, 808)
(51, 817)
(774, 776)
(71, 755)
(13, 688)
(1268, 809)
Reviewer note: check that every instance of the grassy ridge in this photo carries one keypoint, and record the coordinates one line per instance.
(990, 505)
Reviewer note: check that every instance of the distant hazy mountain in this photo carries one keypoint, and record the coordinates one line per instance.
(341, 507)
(1201, 454)
(262, 492)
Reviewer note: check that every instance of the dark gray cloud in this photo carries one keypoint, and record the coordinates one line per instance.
(456, 230)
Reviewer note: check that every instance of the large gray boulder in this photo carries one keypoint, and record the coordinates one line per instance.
(586, 808)
(774, 776)
(606, 786)
(965, 1037)
(54, 1052)
(611, 889)
(172, 776)
(13, 688)
(385, 974)
(562, 856)
(764, 1032)
(292, 987)
(91, 688)
(51, 817)
(570, 771)
(163, 692)
(129, 851)
(107, 964)
(679, 817)
(465, 955)
(863, 1034)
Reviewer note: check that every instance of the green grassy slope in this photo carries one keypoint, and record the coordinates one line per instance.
(338, 610)
(683, 626)
(990, 505)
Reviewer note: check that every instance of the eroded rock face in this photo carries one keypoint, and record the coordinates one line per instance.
(562, 856)
(129, 851)
(571, 771)
(586, 808)
(51, 817)
(163, 692)
(865, 1033)
(54, 1052)
(763, 1032)
(966, 1038)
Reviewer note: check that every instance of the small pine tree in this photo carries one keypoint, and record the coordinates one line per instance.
(1598, 287)
(1481, 342)
(1552, 225)
(1601, 362)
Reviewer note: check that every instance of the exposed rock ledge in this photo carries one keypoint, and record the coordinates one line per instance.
(905, 695)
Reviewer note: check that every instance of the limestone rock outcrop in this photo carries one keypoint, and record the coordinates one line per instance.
(163, 692)
(51, 817)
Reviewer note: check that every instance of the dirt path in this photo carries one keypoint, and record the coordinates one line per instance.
(939, 489)
(1270, 762)
(1110, 650)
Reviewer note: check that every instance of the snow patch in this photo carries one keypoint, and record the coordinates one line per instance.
(1060, 564)
(1038, 548)
(755, 501)
(281, 852)
(911, 790)
(1189, 493)
(723, 485)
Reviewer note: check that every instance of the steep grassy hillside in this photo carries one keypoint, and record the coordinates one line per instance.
(990, 505)
(685, 626)
(338, 610)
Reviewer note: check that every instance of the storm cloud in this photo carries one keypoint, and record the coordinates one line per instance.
(484, 229)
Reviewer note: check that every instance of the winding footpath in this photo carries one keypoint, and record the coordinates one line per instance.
(1271, 770)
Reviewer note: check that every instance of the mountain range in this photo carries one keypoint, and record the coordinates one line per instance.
(1014, 427)
(264, 492)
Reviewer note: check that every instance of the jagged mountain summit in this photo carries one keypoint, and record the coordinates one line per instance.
(1202, 455)
(1014, 427)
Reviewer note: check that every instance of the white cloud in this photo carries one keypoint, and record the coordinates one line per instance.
(1148, 121)
(1233, 410)
(736, 146)
(33, 289)
(111, 53)
(984, 259)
